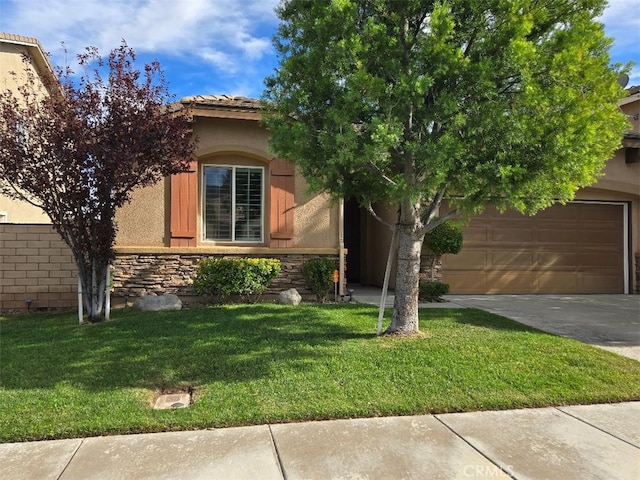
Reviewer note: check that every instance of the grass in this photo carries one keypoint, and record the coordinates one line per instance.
(270, 363)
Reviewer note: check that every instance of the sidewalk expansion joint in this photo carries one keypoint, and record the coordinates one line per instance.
(502, 469)
(277, 453)
(597, 428)
(73, 455)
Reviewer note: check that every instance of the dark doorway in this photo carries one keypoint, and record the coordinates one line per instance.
(352, 216)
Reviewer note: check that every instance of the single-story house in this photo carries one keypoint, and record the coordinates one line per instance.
(239, 200)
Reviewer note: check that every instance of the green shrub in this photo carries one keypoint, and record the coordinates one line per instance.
(433, 291)
(318, 272)
(246, 277)
(445, 238)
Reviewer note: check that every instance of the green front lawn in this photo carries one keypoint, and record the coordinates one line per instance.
(270, 363)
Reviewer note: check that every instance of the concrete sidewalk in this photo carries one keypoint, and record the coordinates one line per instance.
(581, 442)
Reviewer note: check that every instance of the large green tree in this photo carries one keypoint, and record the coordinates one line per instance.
(512, 103)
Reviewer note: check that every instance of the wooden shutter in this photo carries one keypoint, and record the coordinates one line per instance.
(282, 203)
(184, 210)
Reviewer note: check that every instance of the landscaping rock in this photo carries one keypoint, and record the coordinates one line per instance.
(289, 297)
(154, 303)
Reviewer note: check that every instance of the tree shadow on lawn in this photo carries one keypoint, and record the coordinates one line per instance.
(169, 349)
(479, 318)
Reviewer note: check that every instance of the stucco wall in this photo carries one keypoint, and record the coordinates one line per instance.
(11, 61)
(316, 220)
(14, 211)
(631, 107)
(142, 222)
(145, 221)
(620, 176)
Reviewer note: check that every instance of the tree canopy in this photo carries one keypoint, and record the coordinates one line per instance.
(78, 151)
(413, 102)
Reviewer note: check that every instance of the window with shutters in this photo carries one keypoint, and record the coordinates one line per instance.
(233, 203)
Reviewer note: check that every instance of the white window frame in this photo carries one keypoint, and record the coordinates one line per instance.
(203, 189)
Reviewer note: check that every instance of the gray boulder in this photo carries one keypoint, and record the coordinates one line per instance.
(289, 297)
(154, 303)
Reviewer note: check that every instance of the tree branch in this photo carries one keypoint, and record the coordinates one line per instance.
(21, 196)
(373, 213)
(435, 204)
(441, 220)
(377, 170)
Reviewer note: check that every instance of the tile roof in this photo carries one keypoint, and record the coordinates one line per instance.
(34, 46)
(13, 38)
(223, 101)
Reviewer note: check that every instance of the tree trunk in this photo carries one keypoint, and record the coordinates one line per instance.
(93, 290)
(405, 308)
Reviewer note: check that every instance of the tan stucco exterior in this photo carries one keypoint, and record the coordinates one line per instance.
(143, 221)
(238, 141)
(12, 50)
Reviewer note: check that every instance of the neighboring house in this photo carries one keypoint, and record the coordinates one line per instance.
(36, 267)
(12, 50)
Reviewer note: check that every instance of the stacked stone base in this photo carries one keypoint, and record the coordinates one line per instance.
(425, 268)
(135, 275)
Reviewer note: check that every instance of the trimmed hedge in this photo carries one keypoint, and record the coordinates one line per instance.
(445, 238)
(318, 272)
(433, 291)
(247, 277)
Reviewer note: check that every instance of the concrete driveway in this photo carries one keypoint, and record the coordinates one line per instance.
(611, 322)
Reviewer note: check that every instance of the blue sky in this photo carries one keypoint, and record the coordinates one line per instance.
(210, 46)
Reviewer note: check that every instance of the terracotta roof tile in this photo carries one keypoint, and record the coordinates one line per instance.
(33, 44)
(224, 101)
(13, 38)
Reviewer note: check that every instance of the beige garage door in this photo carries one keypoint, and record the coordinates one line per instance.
(575, 248)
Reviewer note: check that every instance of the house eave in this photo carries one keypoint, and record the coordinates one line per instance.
(631, 140)
(223, 106)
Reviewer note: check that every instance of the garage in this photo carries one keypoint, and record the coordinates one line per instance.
(565, 249)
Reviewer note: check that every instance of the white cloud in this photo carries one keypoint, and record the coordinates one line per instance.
(622, 22)
(634, 76)
(217, 31)
(229, 39)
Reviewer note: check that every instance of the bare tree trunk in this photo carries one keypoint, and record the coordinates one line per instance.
(94, 289)
(405, 308)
